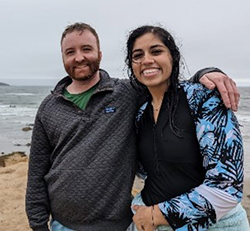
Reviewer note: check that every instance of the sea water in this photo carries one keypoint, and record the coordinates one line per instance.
(243, 115)
(19, 104)
(18, 107)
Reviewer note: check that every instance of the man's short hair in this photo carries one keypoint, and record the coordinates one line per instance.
(79, 26)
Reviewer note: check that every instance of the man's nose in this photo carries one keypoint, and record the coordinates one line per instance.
(79, 57)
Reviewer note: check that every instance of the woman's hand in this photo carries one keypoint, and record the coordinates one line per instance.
(148, 218)
(143, 218)
(225, 85)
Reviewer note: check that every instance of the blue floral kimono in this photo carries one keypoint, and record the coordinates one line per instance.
(221, 147)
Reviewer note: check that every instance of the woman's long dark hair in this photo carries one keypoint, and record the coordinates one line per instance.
(169, 42)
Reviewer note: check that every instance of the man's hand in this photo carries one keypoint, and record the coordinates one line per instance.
(225, 85)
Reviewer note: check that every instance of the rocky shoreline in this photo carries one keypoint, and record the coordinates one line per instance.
(13, 181)
(4, 84)
(13, 147)
(13, 158)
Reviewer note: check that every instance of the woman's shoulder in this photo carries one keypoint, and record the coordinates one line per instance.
(192, 88)
(198, 95)
(198, 90)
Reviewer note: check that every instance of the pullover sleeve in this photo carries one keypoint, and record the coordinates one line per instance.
(221, 146)
(196, 77)
(37, 201)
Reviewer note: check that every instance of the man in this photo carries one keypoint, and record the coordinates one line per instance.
(83, 155)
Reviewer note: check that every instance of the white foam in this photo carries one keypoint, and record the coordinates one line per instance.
(19, 94)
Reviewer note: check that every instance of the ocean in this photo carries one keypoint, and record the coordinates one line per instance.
(18, 107)
(19, 104)
(243, 115)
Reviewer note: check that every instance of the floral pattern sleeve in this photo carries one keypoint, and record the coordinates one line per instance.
(221, 146)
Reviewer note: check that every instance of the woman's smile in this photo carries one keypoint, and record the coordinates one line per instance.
(150, 71)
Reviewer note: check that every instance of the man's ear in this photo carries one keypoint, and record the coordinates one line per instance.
(100, 55)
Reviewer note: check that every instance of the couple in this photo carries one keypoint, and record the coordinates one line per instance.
(85, 148)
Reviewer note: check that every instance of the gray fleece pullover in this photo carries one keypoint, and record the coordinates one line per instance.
(82, 162)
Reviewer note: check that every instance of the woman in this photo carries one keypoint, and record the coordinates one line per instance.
(189, 144)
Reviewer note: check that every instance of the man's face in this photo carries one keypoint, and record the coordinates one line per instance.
(81, 55)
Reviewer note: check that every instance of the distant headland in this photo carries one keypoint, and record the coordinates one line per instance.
(4, 84)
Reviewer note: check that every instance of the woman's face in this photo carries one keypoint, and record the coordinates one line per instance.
(151, 61)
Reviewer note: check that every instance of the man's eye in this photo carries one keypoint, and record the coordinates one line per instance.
(86, 49)
(69, 52)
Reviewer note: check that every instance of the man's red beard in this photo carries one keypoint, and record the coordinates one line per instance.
(93, 68)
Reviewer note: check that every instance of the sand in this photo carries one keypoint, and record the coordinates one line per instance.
(13, 180)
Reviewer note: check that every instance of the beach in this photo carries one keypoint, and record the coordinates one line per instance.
(13, 181)
(18, 107)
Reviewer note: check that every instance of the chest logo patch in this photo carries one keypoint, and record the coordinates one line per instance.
(109, 110)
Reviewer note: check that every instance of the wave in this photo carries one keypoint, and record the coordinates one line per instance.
(19, 94)
(244, 97)
(11, 106)
(243, 118)
(15, 110)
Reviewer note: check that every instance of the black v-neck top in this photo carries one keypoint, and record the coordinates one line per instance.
(173, 164)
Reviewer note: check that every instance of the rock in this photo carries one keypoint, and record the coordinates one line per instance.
(2, 162)
(13, 158)
(4, 84)
(25, 129)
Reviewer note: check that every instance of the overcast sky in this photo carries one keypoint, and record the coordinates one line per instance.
(210, 33)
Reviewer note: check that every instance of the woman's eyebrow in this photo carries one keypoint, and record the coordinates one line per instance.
(136, 50)
(157, 45)
(152, 47)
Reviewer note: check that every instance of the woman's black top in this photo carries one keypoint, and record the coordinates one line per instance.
(173, 164)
